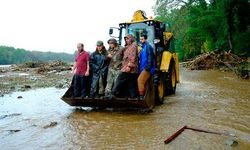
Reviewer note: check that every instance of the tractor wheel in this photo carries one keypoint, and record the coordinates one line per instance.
(160, 89)
(149, 94)
(170, 79)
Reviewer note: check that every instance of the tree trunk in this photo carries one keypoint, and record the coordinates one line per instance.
(229, 15)
(230, 41)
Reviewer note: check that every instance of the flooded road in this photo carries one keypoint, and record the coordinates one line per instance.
(209, 100)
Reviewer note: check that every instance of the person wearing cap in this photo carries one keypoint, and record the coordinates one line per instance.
(99, 66)
(81, 71)
(115, 55)
(128, 76)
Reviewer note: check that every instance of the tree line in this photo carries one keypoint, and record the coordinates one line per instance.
(11, 55)
(207, 25)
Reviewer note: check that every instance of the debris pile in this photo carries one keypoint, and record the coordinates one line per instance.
(56, 66)
(223, 60)
(31, 75)
(41, 67)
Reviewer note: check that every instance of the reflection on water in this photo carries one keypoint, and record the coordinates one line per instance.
(8, 74)
(205, 99)
(5, 66)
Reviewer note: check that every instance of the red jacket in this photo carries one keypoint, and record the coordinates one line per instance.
(130, 56)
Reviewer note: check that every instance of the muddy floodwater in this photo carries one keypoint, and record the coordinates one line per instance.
(211, 100)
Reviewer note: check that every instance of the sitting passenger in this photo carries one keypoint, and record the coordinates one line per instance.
(147, 65)
(99, 66)
(115, 55)
(128, 76)
(81, 71)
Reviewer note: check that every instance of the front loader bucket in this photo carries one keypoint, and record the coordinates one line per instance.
(147, 103)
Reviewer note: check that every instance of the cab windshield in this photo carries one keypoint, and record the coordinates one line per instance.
(137, 30)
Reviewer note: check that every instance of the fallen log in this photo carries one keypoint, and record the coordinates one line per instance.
(173, 136)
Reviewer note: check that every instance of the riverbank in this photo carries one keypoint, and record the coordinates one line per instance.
(33, 75)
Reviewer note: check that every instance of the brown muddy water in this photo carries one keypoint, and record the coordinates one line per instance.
(209, 100)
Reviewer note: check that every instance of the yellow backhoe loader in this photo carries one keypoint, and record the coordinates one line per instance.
(165, 78)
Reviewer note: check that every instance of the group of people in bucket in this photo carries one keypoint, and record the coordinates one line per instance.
(114, 69)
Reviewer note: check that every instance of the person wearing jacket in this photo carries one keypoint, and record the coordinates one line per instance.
(115, 55)
(128, 76)
(147, 65)
(99, 67)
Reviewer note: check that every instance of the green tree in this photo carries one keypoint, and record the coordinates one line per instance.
(11, 55)
(201, 26)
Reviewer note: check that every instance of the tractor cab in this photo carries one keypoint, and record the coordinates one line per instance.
(154, 29)
(149, 27)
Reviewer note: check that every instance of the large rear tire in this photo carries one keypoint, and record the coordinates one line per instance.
(159, 88)
(170, 79)
(149, 95)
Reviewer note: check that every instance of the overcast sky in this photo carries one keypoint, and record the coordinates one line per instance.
(58, 25)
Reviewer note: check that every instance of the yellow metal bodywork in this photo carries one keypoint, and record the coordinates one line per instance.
(167, 35)
(138, 16)
(139, 49)
(165, 62)
(139, 21)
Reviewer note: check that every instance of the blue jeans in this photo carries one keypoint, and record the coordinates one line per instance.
(79, 86)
